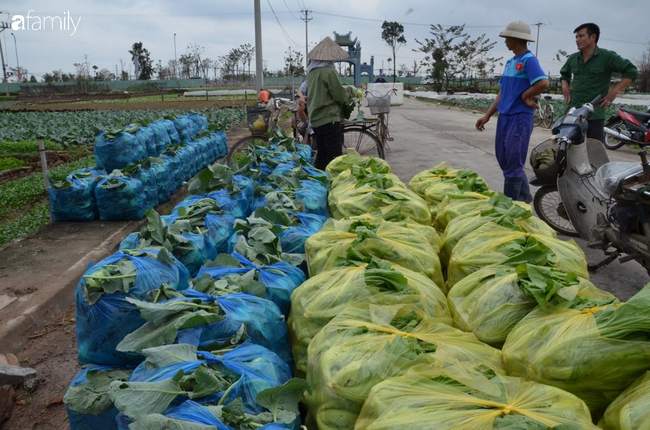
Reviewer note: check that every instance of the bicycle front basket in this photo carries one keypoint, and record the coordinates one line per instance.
(379, 105)
(258, 119)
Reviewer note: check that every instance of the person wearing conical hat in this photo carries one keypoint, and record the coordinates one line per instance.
(523, 79)
(326, 96)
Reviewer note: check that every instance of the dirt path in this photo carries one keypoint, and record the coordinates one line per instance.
(52, 351)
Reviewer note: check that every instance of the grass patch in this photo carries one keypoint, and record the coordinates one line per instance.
(23, 202)
(27, 147)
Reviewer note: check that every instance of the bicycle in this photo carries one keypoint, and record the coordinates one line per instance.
(262, 123)
(380, 106)
(362, 137)
(544, 114)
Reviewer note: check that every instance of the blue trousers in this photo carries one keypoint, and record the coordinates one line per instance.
(511, 146)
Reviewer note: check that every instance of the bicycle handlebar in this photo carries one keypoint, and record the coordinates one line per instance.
(369, 92)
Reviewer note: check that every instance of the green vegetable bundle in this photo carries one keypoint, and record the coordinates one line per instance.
(398, 243)
(491, 301)
(427, 398)
(503, 211)
(493, 244)
(365, 345)
(352, 158)
(630, 410)
(325, 295)
(361, 191)
(421, 181)
(594, 348)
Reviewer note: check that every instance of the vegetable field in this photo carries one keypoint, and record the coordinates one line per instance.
(80, 127)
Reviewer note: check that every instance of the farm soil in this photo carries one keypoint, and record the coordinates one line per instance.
(52, 352)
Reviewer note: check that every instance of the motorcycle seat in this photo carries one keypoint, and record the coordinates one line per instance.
(609, 176)
(643, 115)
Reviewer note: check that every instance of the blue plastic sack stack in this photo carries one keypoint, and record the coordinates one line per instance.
(201, 123)
(174, 138)
(104, 319)
(74, 199)
(160, 136)
(146, 136)
(222, 144)
(120, 198)
(165, 182)
(280, 279)
(185, 128)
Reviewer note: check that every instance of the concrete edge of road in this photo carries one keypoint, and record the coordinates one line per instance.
(30, 315)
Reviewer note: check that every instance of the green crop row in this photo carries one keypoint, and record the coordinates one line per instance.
(80, 127)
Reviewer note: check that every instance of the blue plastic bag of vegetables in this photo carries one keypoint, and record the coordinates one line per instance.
(174, 138)
(148, 179)
(219, 227)
(293, 238)
(280, 279)
(74, 198)
(117, 149)
(241, 373)
(165, 181)
(215, 322)
(87, 402)
(313, 194)
(120, 198)
(174, 170)
(160, 137)
(103, 314)
(222, 144)
(146, 136)
(185, 128)
(200, 122)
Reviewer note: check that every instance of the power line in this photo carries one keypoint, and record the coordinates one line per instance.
(286, 35)
(285, 5)
(403, 23)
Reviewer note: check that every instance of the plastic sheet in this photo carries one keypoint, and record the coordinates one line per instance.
(609, 176)
(103, 324)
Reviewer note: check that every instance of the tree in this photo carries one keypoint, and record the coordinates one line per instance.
(403, 70)
(416, 67)
(643, 81)
(451, 52)
(293, 63)
(142, 61)
(32, 79)
(48, 78)
(248, 52)
(393, 34)
(82, 71)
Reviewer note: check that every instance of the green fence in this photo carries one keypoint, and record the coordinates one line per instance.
(91, 86)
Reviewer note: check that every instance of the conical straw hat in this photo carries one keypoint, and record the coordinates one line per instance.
(327, 50)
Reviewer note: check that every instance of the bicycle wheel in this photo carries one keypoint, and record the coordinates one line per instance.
(538, 118)
(362, 141)
(550, 208)
(548, 116)
(241, 145)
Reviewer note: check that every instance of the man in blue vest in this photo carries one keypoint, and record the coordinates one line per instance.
(523, 79)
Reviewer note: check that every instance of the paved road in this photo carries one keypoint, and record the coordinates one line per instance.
(426, 134)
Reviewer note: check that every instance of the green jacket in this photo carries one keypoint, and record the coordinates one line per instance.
(591, 78)
(325, 96)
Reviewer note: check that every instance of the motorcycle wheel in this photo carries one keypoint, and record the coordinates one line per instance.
(610, 141)
(550, 209)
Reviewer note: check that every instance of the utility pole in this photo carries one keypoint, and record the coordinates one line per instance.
(307, 18)
(4, 26)
(17, 62)
(259, 59)
(538, 24)
(175, 59)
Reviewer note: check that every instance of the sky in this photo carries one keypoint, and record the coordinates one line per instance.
(105, 31)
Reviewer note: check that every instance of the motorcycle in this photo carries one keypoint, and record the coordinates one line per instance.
(627, 127)
(606, 203)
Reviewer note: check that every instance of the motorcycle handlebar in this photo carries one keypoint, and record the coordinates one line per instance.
(597, 100)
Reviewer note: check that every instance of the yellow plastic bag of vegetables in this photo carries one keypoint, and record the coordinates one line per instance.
(490, 302)
(630, 410)
(365, 345)
(465, 181)
(352, 158)
(456, 204)
(395, 242)
(493, 244)
(358, 191)
(421, 181)
(503, 212)
(427, 398)
(324, 296)
(594, 348)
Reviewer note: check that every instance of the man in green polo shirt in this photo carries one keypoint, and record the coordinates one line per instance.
(587, 74)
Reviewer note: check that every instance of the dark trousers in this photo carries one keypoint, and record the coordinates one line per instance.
(511, 147)
(329, 143)
(595, 130)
